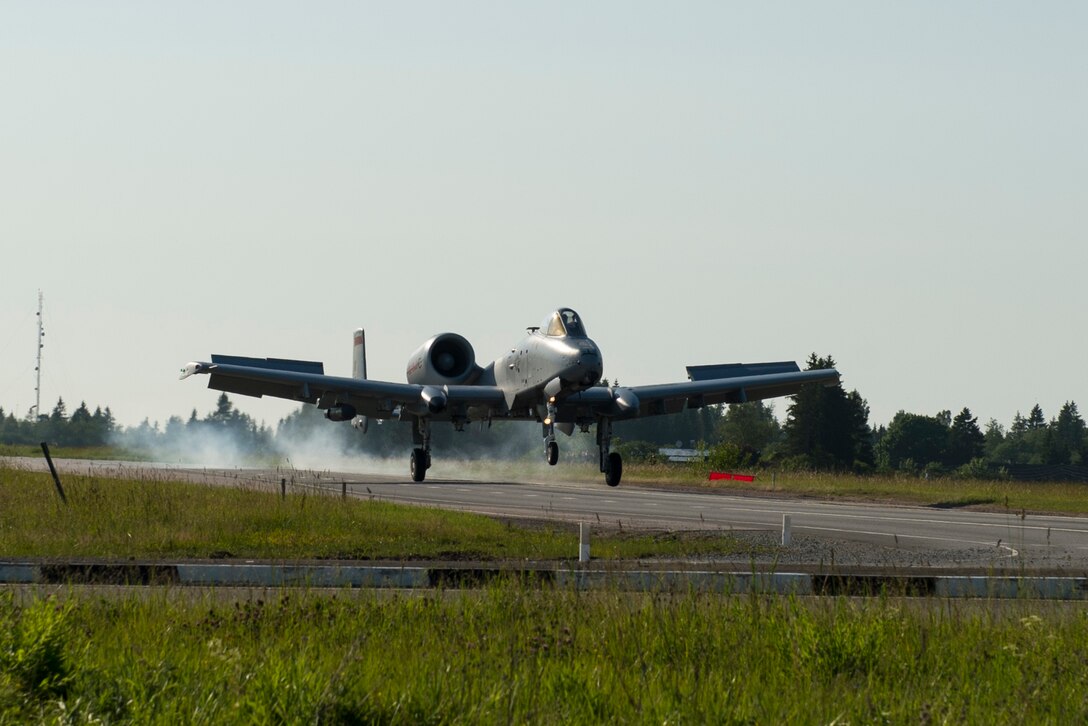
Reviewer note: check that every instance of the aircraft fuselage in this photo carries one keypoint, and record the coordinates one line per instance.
(540, 367)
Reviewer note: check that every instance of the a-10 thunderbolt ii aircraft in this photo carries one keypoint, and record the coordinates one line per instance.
(551, 376)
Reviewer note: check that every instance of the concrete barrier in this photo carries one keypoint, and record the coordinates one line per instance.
(567, 575)
(686, 580)
(18, 574)
(302, 575)
(1046, 588)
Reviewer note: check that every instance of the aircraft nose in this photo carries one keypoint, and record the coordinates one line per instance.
(588, 360)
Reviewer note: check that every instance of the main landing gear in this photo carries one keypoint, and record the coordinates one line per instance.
(611, 463)
(421, 455)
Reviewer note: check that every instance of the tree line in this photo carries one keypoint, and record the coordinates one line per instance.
(825, 429)
(82, 428)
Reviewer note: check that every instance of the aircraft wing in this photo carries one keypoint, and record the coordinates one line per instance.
(306, 381)
(638, 401)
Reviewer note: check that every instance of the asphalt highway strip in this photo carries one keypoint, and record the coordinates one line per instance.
(861, 534)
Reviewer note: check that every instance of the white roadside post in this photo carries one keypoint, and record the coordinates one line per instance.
(583, 542)
(785, 530)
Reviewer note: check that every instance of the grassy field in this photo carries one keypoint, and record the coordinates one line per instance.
(121, 518)
(1054, 497)
(514, 654)
(73, 452)
(510, 653)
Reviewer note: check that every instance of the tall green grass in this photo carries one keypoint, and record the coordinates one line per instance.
(128, 518)
(514, 654)
(75, 452)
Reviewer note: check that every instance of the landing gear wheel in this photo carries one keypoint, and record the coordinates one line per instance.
(418, 464)
(615, 470)
(553, 453)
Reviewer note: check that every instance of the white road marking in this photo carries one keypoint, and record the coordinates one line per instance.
(897, 535)
(1017, 524)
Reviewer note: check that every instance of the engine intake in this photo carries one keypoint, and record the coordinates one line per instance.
(446, 359)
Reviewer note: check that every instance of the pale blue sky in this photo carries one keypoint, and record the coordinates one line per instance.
(903, 186)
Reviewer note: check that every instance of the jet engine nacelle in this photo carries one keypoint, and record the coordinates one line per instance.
(446, 359)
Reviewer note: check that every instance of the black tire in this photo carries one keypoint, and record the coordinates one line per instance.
(418, 464)
(553, 453)
(615, 470)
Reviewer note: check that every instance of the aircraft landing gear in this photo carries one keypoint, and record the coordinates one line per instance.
(552, 450)
(418, 464)
(611, 463)
(420, 461)
(551, 446)
(614, 470)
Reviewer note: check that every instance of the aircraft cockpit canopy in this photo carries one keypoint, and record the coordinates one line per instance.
(564, 322)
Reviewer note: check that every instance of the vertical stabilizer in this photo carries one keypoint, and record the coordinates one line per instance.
(358, 361)
(358, 371)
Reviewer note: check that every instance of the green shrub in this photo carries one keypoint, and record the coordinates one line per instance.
(33, 652)
(639, 452)
(977, 469)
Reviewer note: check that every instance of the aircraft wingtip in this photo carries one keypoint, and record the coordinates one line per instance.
(190, 369)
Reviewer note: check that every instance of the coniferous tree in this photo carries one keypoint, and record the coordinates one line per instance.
(1036, 419)
(174, 430)
(913, 442)
(1067, 439)
(103, 425)
(965, 440)
(79, 432)
(828, 428)
(224, 413)
(1019, 425)
(994, 436)
(751, 426)
(55, 426)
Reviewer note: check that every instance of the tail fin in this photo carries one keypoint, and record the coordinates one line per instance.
(358, 371)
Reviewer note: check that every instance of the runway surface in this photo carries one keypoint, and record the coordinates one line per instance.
(889, 534)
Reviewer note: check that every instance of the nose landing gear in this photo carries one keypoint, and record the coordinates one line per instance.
(551, 450)
(551, 446)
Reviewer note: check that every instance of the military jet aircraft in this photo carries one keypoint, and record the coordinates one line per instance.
(551, 377)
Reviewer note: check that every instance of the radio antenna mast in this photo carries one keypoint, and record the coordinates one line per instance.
(38, 365)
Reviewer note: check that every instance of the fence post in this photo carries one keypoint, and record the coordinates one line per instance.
(53, 471)
(583, 542)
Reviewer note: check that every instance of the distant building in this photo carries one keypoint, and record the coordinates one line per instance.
(682, 456)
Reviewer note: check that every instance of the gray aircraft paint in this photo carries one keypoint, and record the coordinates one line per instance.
(551, 376)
